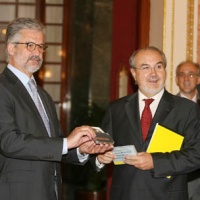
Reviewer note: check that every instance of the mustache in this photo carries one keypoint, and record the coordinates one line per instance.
(37, 58)
(153, 78)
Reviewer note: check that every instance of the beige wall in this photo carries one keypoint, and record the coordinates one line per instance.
(156, 20)
(173, 28)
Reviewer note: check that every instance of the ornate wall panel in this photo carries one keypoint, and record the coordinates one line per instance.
(198, 32)
(179, 36)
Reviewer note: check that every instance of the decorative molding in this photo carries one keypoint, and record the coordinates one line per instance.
(190, 28)
(172, 46)
(164, 24)
(198, 33)
(181, 25)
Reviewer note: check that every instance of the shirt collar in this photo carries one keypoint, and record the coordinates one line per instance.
(156, 97)
(20, 75)
(195, 97)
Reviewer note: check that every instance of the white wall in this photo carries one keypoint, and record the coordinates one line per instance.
(170, 31)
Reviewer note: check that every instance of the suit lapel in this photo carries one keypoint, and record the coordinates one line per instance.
(25, 97)
(164, 107)
(20, 90)
(132, 111)
(198, 99)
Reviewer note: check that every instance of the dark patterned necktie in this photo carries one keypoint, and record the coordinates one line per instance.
(146, 118)
(38, 104)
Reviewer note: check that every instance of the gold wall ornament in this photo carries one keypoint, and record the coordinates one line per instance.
(179, 35)
(172, 46)
(198, 33)
(190, 28)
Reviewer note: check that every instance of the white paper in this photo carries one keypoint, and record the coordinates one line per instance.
(122, 151)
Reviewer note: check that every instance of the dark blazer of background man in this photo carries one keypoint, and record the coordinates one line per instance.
(29, 157)
(187, 79)
(145, 176)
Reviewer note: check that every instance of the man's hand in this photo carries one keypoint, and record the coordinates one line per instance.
(79, 136)
(142, 161)
(91, 147)
(106, 158)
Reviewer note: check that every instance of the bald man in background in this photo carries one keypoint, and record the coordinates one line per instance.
(188, 79)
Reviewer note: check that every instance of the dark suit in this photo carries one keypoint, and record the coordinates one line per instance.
(122, 121)
(197, 99)
(194, 177)
(29, 158)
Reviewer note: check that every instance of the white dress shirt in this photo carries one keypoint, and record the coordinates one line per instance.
(153, 105)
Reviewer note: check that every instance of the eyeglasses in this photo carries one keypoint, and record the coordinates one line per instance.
(31, 46)
(190, 75)
(147, 68)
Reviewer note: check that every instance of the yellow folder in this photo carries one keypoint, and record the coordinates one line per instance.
(164, 140)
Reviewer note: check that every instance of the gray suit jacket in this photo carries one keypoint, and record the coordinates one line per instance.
(122, 121)
(28, 157)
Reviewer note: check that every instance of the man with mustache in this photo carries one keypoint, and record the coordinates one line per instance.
(152, 176)
(32, 144)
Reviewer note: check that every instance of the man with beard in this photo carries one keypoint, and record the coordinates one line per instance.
(32, 143)
(152, 176)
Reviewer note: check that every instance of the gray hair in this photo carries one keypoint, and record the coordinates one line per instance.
(132, 58)
(188, 61)
(15, 26)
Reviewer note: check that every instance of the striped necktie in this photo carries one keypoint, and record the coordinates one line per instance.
(39, 106)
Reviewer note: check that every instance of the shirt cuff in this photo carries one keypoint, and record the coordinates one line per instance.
(65, 147)
(82, 157)
(98, 164)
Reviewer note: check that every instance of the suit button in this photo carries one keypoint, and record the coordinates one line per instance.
(48, 157)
